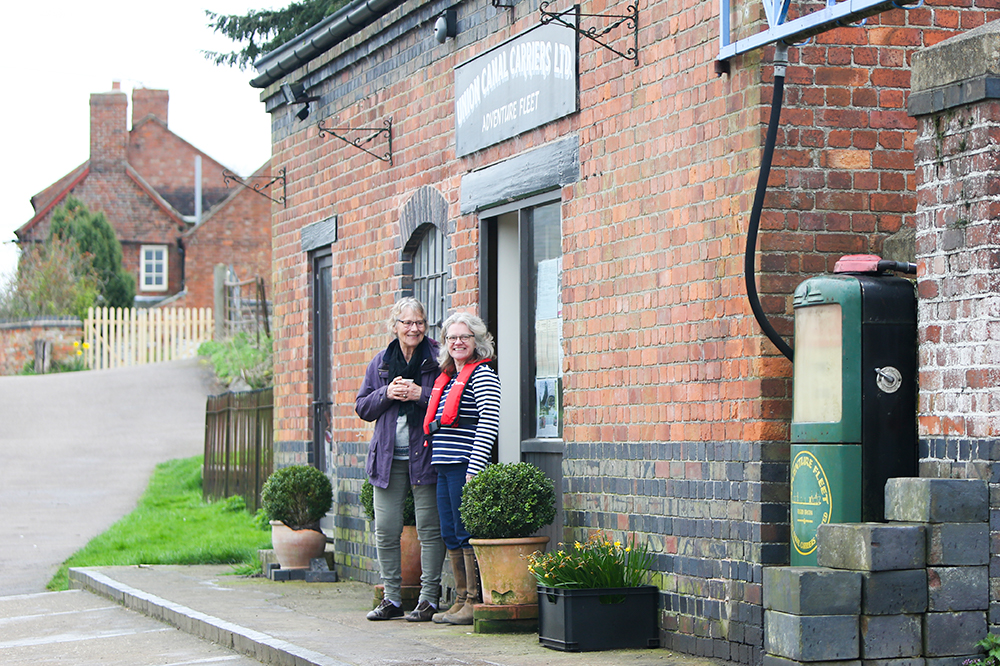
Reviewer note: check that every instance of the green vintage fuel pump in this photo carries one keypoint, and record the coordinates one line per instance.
(854, 395)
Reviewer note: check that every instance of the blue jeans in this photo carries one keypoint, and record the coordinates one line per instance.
(451, 480)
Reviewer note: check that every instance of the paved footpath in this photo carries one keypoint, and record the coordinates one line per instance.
(323, 624)
(78, 450)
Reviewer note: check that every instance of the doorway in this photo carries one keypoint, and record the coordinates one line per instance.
(521, 295)
(322, 361)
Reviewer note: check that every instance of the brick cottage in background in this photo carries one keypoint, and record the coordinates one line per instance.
(593, 210)
(144, 181)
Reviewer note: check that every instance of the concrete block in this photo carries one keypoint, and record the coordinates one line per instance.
(937, 500)
(871, 546)
(953, 634)
(775, 660)
(958, 544)
(906, 661)
(958, 589)
(890, 636)
(893, 592)
(812, 591)
(811, 637)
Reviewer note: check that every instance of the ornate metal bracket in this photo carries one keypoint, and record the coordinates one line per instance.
(360, 143)
(631, 19)
(230, 177)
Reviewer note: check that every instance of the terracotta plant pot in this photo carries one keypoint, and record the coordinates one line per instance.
(503, 569)
(295, 548)
(409, 546)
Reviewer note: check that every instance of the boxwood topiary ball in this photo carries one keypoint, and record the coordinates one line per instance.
(508, 500)
(298, 496)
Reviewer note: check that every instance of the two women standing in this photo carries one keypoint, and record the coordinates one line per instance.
(399, 385)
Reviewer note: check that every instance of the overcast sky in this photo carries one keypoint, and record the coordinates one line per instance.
(57, 53)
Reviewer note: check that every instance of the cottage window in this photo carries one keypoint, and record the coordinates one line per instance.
(153, 268)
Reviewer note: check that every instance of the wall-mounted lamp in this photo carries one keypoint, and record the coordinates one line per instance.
(446, 26)
(295, 93)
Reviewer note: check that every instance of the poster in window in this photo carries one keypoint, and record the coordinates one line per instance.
(547, 407)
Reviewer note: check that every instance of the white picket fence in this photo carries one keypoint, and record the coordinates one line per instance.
(116, 337)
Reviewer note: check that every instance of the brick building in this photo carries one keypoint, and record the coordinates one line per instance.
(144, 180)
(593, 209)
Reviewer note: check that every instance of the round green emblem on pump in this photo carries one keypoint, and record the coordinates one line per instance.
(810, 501)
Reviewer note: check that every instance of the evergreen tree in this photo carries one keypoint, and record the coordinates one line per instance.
(95, 238)
(261, 31)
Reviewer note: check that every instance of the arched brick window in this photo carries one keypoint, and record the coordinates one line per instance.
(423, 223)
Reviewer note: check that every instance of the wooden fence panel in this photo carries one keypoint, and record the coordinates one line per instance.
(118, 337)
(239, 445)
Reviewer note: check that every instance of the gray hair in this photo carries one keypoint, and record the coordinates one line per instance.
(397, 311)
(484, 340)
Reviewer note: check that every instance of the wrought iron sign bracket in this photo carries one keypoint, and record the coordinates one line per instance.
(230, 177)
(631, 19)
(360, 142)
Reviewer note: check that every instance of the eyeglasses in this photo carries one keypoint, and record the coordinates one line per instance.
(451, 339)
(419, 323)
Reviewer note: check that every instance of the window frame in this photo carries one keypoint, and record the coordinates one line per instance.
(143, 273)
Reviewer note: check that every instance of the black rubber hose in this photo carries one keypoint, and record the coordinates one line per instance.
(758, 204)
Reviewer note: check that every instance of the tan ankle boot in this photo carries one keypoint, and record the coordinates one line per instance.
(458, 568)
(464, 615)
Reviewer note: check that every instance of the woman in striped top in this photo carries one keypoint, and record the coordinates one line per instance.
(462, 449)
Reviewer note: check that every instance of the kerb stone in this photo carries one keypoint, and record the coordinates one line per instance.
(893, 592)
(811, 637)
(871, 546)
(890, 636)
(936, 500)
(812, 591)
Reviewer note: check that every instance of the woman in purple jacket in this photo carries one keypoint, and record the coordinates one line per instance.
(394, 394)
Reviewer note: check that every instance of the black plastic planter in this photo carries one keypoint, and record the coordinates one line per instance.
(598, 619)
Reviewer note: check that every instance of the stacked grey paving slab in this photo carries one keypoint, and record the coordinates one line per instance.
(910, 592)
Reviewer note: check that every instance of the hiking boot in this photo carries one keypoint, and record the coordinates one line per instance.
(385, 611)
(422, 613)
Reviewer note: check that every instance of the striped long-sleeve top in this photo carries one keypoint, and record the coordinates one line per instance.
(472, 438)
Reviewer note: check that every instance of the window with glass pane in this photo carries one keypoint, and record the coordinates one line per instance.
(153, 268)
(429, 278)
(547, 293)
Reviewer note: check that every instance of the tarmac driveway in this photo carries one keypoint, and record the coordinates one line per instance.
(78, 450)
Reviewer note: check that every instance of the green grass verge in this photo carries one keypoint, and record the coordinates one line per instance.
(173, 525)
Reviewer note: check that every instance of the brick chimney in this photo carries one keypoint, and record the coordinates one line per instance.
(147, 102)
(108, 129)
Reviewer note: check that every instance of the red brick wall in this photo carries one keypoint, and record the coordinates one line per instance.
(676, 407)
(238, 234)
(17, 341)
(958, 234)
(669, 156)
